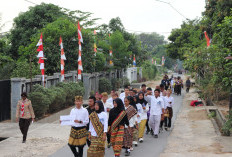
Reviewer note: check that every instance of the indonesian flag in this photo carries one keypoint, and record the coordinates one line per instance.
(41, 56)
(80, 68)
(207, 39)
(62, 59)
(152, 61)
(163, 61)
(134, 62)
(155, 61)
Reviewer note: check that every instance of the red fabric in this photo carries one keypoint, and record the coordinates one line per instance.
(193, 102)
(22, 108)
(207, 39)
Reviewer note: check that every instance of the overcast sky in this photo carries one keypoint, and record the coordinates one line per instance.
(136, 15)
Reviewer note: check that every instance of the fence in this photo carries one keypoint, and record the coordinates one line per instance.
(90, 82)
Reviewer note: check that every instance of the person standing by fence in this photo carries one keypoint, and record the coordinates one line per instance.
(24, 115)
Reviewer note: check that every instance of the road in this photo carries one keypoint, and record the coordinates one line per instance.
(151, 147)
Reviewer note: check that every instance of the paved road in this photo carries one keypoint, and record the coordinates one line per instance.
(151, 147)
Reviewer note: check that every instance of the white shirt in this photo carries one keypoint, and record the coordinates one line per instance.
(81, 115)
(144, 112)
(167, 100)
(140, 111)
(103, 119)
(157, 104)
(132, 121)
(107, 105)
(110, 100)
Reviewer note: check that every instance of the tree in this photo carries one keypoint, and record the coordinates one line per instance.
(27, 25)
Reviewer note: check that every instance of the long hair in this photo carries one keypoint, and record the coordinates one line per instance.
(132, 102)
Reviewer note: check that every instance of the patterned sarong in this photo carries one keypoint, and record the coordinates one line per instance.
(117, 139)
(77, 136)
(130, 111)
(98, 127)
(117, 121)
(128, 137)
(97, 147)
(170, 112)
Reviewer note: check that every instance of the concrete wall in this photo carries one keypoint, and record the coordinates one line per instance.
(90, 82)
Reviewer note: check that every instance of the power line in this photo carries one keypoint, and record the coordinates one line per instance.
(31, 2)
(172, 8)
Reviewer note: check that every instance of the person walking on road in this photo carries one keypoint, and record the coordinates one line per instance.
(24, 115)
(143, 117)
(129, 130)
(117, 121)
(156, 112)
(188, 84)
(169, 101)
(97, 131)
(78, 131)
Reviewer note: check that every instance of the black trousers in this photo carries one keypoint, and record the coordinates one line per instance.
(74, 150)
(167, 122)
(147, 126)
(24, 126)
(108, 137)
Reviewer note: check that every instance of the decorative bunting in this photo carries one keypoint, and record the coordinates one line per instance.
(80, 68)
(62, 58)
(95, 45)
(111, 54)
(207, 39)
(163, 60)
(41, 56)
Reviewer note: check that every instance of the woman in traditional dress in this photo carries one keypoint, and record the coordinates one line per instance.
(128, 131)
(78, 131)
(143, 116)
(117, 121)
(97, 131)
(169, 101)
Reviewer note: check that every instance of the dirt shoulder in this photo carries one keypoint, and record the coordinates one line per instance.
(193, 134)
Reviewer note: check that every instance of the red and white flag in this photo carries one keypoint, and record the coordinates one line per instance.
(62, 59)
(155, 61)
(41, 55)
(207, 39)
(152, 61)
(80, 68)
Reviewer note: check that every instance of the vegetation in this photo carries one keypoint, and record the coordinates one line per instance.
(213, 71)
(50, 100)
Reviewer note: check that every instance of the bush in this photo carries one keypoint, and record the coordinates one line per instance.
(126, 81)
(104, 85)
(55, 98)
(40, 103)
(227, 128)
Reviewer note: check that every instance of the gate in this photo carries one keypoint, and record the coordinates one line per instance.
(5, 99)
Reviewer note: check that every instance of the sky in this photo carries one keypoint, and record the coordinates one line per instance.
(137, 15)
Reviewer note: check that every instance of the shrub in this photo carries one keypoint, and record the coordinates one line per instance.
(149, 71)
(40, 103)
(126, 81)
(50, 100)
(104, 85)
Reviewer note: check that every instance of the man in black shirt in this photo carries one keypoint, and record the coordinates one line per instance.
(90, 109)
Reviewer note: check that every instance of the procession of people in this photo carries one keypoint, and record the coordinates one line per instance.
(118, 121)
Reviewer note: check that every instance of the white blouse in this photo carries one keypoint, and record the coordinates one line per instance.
(143, 114)
(81, 115)
(103, 119)
(168, 100)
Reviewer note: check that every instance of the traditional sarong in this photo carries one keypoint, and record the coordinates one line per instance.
(117, 121)
(98, 126)
(142, 126)
(170, 112)
(97, 147)
(117, 139)
(128, 138)
(78, 136)
(130, 111)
